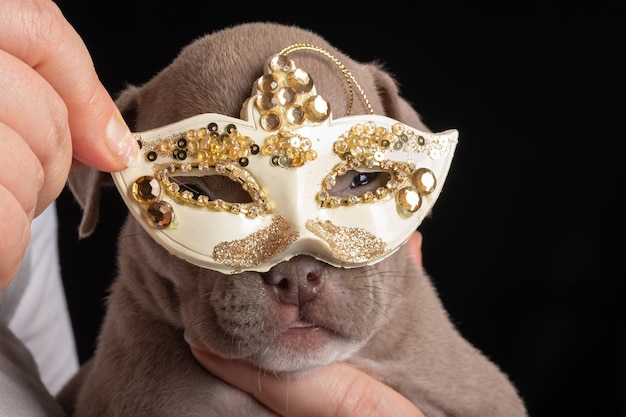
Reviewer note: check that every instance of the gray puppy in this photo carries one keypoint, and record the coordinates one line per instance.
(384, 318)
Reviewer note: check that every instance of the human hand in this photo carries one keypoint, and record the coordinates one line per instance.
(337, 390)
(53, 110)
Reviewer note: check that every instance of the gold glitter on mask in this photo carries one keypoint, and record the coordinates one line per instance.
(257, 248)
(348, 244)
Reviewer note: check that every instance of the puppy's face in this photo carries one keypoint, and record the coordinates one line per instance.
(302, 312)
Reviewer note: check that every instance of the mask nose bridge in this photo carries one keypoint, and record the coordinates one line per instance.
(294, 196)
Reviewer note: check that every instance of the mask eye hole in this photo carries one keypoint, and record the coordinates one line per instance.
(358, 183)
(215, 187)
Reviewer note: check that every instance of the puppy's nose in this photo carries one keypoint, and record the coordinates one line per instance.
(297, 280)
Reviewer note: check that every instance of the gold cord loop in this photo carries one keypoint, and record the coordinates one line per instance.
(347, 74)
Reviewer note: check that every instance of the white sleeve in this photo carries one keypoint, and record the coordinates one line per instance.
(21, 392)
(41, 319)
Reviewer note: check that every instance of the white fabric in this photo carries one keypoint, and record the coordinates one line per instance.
(41, 319)
(21, 392)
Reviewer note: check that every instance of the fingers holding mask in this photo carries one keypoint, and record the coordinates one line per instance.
(53, 109)
(36, 156)
(36, 33)
(18, 177)
(36, 135)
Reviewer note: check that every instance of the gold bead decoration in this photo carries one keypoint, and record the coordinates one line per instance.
(299, 81)
(286, 96)
(408, 201)
(287, 100)
(397, 129)
(317, 109)
(160, 214)
(271, 121)
(281, 63)
(267, 83)
(267, 101)
(424, 180)
(146, 189)
(288, 150)
(206, 144)
(295, 115)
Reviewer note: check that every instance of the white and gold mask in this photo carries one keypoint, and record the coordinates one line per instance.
(348, 191)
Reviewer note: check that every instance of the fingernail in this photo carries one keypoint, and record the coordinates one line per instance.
(121, 141)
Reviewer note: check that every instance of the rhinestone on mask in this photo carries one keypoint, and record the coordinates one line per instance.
(287, 99)
(160, 214)
(146, 189)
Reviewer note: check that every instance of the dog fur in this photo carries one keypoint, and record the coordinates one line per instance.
(388, 318)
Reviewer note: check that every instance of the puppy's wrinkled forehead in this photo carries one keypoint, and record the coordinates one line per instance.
(286, 177)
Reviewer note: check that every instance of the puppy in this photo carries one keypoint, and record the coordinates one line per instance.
(291, 314)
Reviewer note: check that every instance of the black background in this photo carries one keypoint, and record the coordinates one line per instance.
(524, 243)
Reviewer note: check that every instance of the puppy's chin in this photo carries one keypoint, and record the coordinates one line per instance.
(300, 315)
(302, 349)
(296, 351)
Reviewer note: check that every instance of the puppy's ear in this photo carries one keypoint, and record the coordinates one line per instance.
(86, 183)
(395, 106)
